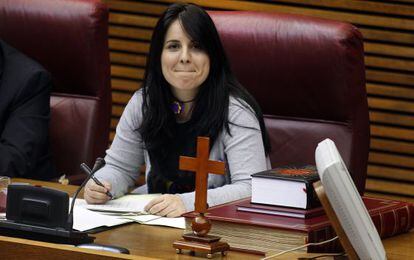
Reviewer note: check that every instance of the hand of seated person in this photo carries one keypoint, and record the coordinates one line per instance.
(95, 194)
(167, 205)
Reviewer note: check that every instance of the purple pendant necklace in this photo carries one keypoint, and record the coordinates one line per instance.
(178, 106)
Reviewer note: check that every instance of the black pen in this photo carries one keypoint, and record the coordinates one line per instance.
(88, 170)
(109, 194)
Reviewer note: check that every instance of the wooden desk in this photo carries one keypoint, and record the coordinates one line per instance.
(152, 242)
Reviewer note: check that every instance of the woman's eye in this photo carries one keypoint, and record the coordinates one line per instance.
(173, 46)
(197, 46)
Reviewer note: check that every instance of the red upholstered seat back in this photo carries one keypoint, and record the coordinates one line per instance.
(70, 39)
(308, 76)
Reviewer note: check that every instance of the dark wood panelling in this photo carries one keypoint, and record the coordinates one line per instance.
(391, 159)
(392, 105)
(390, 91)
(389, 63)
(375, 75)
(127, 72)
(132, 33)
(386, 36)
(120, 97)
(388, 195)
(388, 31)
(390, 172)
(383, 186)
(117, 110)
(128, 45)
(391, 119)
(136, 6)
(133, 20)
(394, 132)
(122, 84)
(128, 59)
(392, 146)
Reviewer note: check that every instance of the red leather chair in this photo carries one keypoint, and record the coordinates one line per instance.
(70, 39)
(308, 76)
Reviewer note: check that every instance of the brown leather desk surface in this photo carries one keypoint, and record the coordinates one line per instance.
(153, 241)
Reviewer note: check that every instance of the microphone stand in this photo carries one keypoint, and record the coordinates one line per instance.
(99, 163)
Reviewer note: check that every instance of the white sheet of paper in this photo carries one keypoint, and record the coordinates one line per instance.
(119, 211)
(84, 219)
(125, 204)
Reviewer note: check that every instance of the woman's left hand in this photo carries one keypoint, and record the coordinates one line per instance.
(166, 205)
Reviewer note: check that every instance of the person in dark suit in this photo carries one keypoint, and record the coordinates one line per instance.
(24, 116)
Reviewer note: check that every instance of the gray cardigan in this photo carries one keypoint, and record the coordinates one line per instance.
(242, 151)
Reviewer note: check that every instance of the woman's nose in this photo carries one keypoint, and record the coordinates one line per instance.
(185, 56)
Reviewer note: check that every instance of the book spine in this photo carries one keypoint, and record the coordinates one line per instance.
(388, 223)
(393, 222)
(312, 198)
(321, 235)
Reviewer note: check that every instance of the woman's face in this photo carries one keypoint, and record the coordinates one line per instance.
(184, 65)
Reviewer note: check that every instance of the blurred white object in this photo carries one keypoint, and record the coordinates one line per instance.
(347, 203)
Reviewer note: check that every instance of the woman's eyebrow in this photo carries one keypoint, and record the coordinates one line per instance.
(173, 40)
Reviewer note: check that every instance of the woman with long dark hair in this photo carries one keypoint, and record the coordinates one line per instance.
(188, 91)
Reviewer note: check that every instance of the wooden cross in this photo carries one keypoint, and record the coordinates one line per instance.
(202, 166)
(198, 240)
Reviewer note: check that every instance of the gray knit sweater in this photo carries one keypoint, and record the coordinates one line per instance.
(242, 151)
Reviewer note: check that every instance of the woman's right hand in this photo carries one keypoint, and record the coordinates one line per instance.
(95, 194)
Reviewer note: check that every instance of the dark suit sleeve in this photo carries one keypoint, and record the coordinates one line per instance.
(26, 131)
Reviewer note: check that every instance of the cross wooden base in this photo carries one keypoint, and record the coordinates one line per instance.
(207, 244)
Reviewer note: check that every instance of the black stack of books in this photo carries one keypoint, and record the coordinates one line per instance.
(288, 186)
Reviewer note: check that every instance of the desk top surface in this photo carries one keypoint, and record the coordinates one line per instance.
(155, 241)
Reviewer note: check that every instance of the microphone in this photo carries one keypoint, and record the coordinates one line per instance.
(99, 163)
